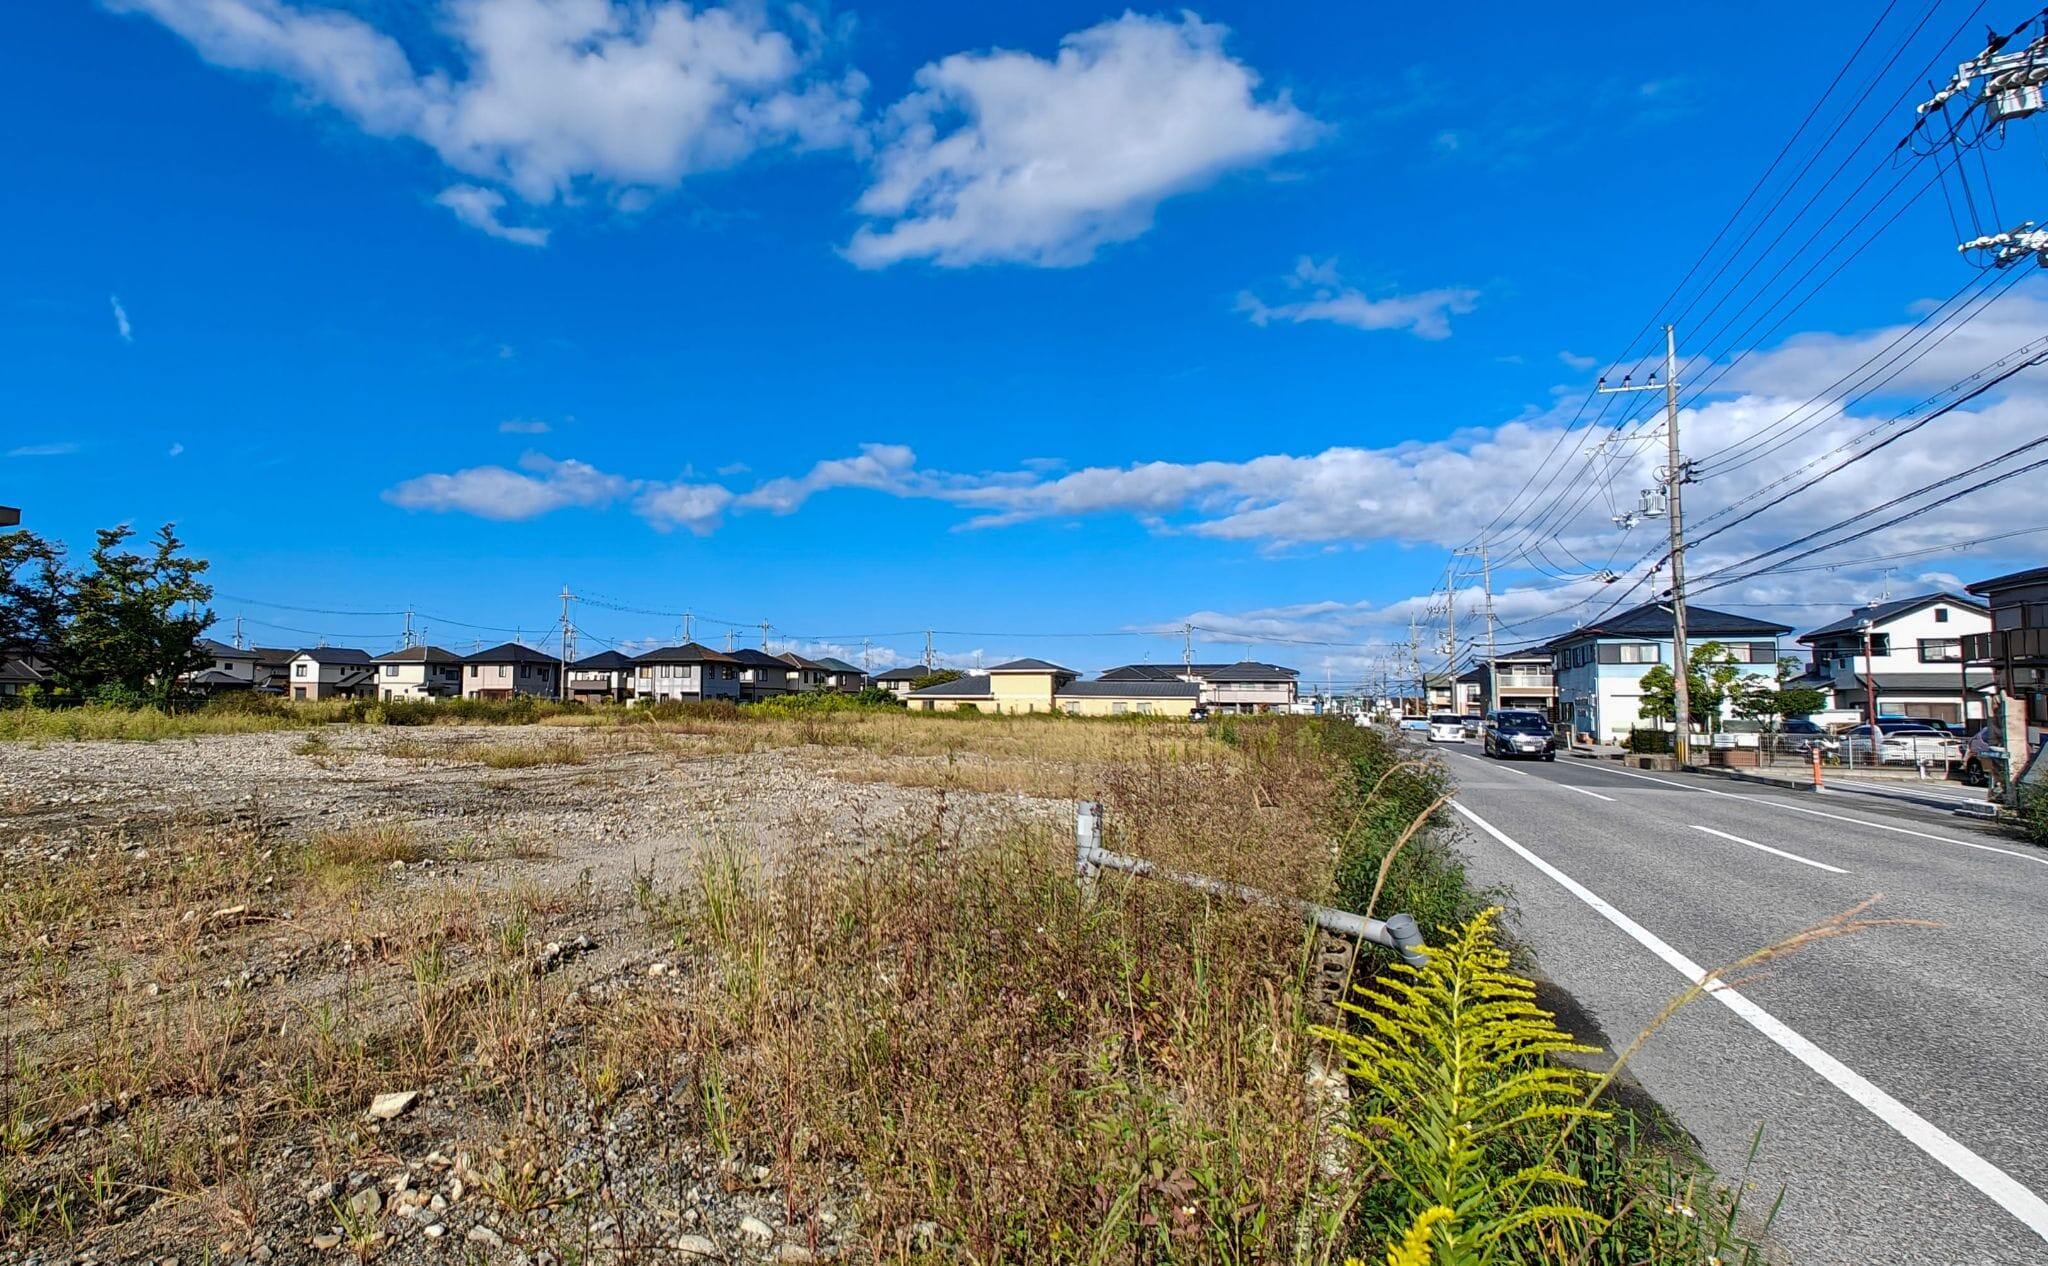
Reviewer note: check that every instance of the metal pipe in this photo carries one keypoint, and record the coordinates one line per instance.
(1398, 932)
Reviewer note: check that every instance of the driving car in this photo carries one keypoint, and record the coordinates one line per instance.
(1475, 724)
(1983, 758)
(1512, 732)
(1892, 743)
(1415, 725)
(1446, 727)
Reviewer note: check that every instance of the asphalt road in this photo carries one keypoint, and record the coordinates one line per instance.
(1899, 1076)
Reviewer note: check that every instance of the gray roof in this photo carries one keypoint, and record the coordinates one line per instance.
(215, 677)
(687, 653)
(961, 688)
(511, 653)
(759, 659)
(335, 655)
(2011, 580)
(1129, 690)
(1029, 665)
(1251, 670)
(419, 655)
(831, 665)
(603, 661)
(1653, 619)
(1879, 612)
(220, 650)
(909, 672)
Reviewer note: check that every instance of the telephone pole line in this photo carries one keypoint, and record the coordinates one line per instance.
(238, 633)
(1187, 649)
(1674, 477)
(927, 650)
(568, 648)
(408, 628)
(765, 626)
(1492, 647)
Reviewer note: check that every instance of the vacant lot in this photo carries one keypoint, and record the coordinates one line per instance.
(740, 988)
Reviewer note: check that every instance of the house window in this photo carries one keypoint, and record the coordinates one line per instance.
(474, 671)
(1880, 645)
(1144, 709)
(298, 670)
(1941, 650)
(1116, 709)
(1641, 653)
(1941, 615)
(391, 670)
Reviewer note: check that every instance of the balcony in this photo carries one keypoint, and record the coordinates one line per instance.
(2017, 646)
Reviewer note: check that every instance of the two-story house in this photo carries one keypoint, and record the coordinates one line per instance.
(1033, 685)
(898, 681)
(842, 676)
(762, 676)
(1900, 658)
(1245, 686)
(331, 672)
(1527, 682)
(419, 672)
(227, 668)
(1599, 667)
(511, 669)
(687, 672)
(805, 675)
(2016, 647)
(606, 677)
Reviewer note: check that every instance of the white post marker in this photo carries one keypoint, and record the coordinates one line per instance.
(2003, 1190)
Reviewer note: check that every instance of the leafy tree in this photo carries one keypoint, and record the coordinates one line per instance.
(35, 592)
(127, 633)
(1712, 676)
(1771, 704)
(936, 677)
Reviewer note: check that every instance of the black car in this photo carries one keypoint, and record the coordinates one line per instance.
(1512, 732)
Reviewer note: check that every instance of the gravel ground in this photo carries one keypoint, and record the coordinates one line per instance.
(625, 1188)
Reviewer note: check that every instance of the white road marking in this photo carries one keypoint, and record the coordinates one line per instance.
(1494, 764)
(1965, 1164)
(1795, 808)
(1582, 791)
(1779, 852)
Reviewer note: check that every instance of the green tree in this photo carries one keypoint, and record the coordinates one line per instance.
(35, 592)
(1772, 703)
(1712, 676)
(136, 617)
(937, 676)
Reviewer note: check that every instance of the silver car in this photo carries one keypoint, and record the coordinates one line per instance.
(1899, 745)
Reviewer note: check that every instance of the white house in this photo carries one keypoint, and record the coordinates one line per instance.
(419, 672)
(606, 677)
(331, 672)
(1599, 667)
(687, 672)
(228, 668)
(1905, 655)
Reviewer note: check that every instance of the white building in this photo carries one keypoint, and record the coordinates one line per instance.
(419, 672)
(1906, 654)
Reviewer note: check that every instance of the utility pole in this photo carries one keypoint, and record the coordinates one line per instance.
(689, 626)
(867, 655)
(927, 650)
(408, 628)
(1187, 650)
(1870, 685)
(764, 634)
(238, 633)
(1492, 648)
(1451, 631)
(568, 648)
(729, 641)
(1674, 478)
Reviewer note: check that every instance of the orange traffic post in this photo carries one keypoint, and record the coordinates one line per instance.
(1817, 784)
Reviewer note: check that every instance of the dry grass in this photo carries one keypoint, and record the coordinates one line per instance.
(530, 755)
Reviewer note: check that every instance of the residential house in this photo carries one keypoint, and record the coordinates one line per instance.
(509, 670)
(22, 670)
(606, 677)
(273, 669)
(1527, 682)
(1439, 693)
(227, 668)
(898, 681)
(1904, 656)
(1599, 667)
(687, 672)
(1245, 686)
(842, 676)
(1033, 685)
(762, 676)
(331, 672)
(2017, 650)
(805, 675)
(419, 672)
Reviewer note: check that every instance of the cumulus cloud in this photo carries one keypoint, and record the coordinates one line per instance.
(121, 325)
(479, 207)
(1425, 313)
(696, 508)
(1005, 156)
(540, 485)
(881, 467)
(547, 98)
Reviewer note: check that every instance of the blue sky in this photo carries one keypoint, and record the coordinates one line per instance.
(870, 319)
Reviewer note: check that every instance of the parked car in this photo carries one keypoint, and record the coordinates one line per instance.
(1475, 724)
(1983, 759)
(1890, 743)
(1802, 735)
(1512, 732)
(1446, 727)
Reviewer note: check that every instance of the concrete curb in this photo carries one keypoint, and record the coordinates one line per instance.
(1930, 802)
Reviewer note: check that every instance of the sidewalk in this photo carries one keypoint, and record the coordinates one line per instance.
(1903, 785)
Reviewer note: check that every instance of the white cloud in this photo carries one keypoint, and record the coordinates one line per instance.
(176, 450)
(697, 508)
(479, 207)
(121, 325)
(1004, 156)
(63, 449)
(881, 467)
(1572, 360)
(522, 426)
(494, 492)
(1425, 313)
(547, 97)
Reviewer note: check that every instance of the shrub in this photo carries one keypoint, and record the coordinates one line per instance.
(830, 701)
(2034, 813)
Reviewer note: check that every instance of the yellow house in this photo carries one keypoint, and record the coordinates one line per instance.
(1033, 685)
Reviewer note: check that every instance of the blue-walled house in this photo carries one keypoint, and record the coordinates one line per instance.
(1599, 667)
